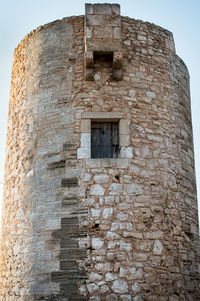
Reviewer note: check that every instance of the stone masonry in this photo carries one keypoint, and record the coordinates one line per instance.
(77, 228)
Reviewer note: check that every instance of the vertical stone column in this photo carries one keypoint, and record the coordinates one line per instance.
(103, 35)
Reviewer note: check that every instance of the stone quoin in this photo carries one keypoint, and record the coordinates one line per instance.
(100, 196)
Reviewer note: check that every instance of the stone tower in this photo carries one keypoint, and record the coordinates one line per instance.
(100, 198)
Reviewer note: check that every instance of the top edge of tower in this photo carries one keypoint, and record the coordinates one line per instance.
(97, 8)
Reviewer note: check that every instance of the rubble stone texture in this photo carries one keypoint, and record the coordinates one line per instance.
(76, 228)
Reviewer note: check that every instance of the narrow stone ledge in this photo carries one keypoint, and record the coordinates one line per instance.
(102, 115)
(63, 276)
(68, 146)
(73, 254)
(70, 202)
(93, 163)
(73, 182)
(107, 162)
(58, 164)
(68, 221)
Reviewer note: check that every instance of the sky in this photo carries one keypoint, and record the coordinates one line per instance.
(181, 17)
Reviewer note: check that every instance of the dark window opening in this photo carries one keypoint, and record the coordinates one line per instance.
(103, 64)
(104, 139)
(103, 57)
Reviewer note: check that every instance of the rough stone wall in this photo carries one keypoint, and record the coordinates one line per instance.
(99, 229)
(41, 194)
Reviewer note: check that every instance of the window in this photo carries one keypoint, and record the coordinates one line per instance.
(104, 139)
(105, 135)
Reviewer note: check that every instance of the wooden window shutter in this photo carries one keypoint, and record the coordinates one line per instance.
(104, 139)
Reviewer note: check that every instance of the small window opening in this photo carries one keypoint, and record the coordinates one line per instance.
(103, 64)
(104, 139)
(103, 57)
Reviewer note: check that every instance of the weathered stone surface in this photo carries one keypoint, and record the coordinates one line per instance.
(102, 178)
(76, 228)
(134, 189)
(115, 189)
(120, 286)
(157, 247)
(107, 213)
(97, 243)
(97, 189)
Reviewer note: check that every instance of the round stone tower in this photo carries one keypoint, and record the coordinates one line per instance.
(100, 198)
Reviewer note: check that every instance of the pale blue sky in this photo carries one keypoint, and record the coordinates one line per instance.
(181, 17)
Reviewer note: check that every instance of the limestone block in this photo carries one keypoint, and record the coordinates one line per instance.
(136, 287)
(112, 245)
(157, 247)
(102, 178)
(107, 213)
(112, 235)
(131, 273)
(85, 125)
(112, 297)
(93, 163)
(95, 212)
(103, 267)
(117, 33)
(85, 140)
(155, 138)
(92, 288)
(104, 289)
(144, 246)
(120, 286)
(103, 32)
(109, 200)
(94, 20)
(103, 9)
(103, 115)
(126, 152)
(134, 189)
(97, 189)
(83, 152)
(116, 9)
(97, 77)
(146, 152)
(125, 246)
(122, 216)
(141, 38)
(89, 9)
(115, 188)
(86, 177)
(122, 163)
(97, 243)
(124, 127)
(111, 277)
